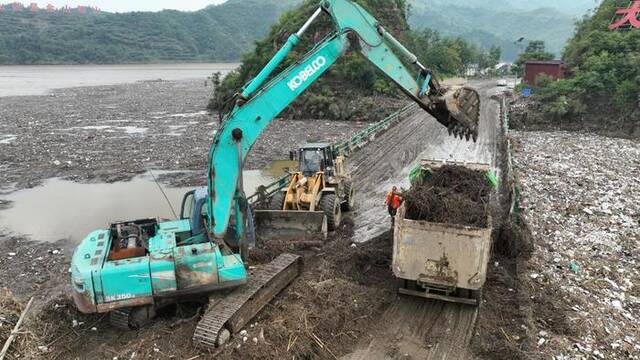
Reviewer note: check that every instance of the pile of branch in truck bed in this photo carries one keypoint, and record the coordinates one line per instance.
(451, 195)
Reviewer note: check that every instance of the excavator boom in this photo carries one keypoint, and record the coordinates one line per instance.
(261, 101)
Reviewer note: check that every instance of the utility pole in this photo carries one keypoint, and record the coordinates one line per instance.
(519, 44)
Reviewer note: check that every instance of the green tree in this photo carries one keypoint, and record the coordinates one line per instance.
(535, 51)
(495, 53)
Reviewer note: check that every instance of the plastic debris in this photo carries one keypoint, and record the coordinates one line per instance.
(573, 266)
(580, 195)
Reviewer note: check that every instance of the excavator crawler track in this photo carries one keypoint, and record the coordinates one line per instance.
(235, 310)
(119, 318)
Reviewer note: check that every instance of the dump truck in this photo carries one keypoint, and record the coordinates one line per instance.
(441, 260)
(313, 202)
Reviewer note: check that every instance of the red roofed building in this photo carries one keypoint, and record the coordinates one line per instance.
(553, 68)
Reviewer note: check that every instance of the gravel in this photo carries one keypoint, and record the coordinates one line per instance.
(581, 198)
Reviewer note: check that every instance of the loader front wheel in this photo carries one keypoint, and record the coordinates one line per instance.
(350, 197)
(277, 201)
(330, 205)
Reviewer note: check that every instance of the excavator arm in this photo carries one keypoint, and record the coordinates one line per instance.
(261, 101)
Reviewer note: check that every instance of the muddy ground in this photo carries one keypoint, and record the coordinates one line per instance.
(107, 134)
(339, 304)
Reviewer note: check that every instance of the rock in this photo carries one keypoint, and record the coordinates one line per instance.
(243, 333)
(223, 337)
(255, 340)
(617, 305)
(12, 254)
(244, 339)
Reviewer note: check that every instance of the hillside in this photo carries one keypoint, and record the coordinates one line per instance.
(216, 33)
(603, 90)
(225, 32)
(571, 7)
(476, 21)
(352, 89)
(348, 91)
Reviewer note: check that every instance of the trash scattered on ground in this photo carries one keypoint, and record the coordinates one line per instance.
(83, 134)
(581, 199)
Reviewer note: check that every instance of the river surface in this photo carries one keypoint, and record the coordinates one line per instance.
(21, 80)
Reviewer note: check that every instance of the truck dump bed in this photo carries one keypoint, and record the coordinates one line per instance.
(439, 260)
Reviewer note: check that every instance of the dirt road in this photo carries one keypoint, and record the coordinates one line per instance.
(421, 329)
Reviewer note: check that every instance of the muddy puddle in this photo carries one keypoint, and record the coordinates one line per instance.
(61, 209)
(278, 168)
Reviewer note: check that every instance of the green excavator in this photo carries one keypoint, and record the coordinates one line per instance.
(134, 267)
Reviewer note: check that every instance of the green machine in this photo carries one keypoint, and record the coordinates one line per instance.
(134, 267)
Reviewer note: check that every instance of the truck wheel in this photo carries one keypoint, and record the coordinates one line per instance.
(350, 197)
(277, 201)
(330, 205)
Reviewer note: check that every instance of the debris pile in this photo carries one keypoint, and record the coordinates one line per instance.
(24, 343)
(581, 199)
(337, 300)
(83, 134)
(450, 194)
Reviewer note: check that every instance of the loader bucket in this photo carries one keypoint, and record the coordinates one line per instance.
(459, 110)
(290, 225)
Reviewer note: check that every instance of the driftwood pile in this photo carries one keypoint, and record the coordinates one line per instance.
(450, 195)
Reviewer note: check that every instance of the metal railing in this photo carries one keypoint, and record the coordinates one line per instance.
(346, 147)
(266, 191)
(365, 135)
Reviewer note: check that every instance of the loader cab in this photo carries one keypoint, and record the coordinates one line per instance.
(313, 158)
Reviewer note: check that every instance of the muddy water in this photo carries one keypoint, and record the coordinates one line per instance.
(41, 79)
(61, 209)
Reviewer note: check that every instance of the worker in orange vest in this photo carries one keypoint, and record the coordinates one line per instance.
(393, 202)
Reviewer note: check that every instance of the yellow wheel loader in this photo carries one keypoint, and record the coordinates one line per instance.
(313, 202)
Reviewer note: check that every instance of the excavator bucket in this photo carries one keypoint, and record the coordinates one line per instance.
(458, 110)
(464, 106)
(290, 225)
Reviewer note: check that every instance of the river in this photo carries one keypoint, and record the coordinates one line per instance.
(24, 80)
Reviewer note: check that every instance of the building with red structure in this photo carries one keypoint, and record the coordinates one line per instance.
(555, 69)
